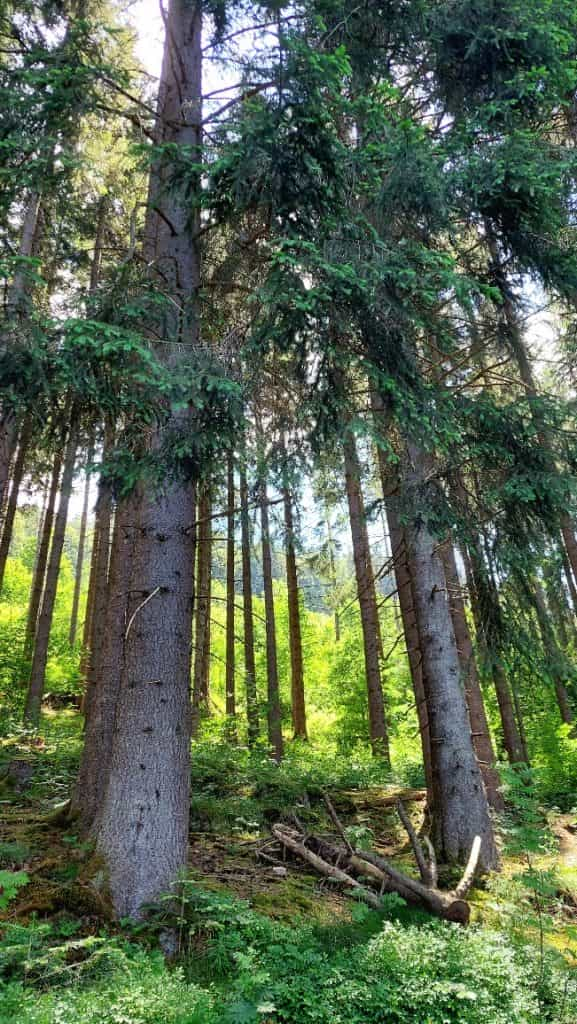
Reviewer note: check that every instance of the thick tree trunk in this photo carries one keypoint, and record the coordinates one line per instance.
(274, 716)
(367, 601)
(402, 572)
(12, 505)
(460, 810)
(142, 833)
(298, 706)
(404, 583)
(230, 668)
(481, 736)
(40, 656)
(42, 558)
(488, 624)
(80, 556)
(201, 677)
(106, 665)
(248, 620)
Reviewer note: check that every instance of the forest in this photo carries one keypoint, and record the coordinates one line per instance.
(288, 512)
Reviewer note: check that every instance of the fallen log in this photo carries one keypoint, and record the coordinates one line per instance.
(324, 868)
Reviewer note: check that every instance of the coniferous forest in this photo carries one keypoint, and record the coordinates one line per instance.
(288, 512)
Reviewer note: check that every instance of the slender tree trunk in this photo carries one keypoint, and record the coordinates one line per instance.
(274, 715)
(481, 736)
(106, 665)
(40, 656)
(571, 581)
(298, 706)
(12, 505)
(8, 441)
(367, 601)
(80, 556)
(142, 832)
(201, 678)
(556, 659)
(230, 680)
(488, 624)
(42, 558)
(248, 620)
(460, 810)
(96, 597)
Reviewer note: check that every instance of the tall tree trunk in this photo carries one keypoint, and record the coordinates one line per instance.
(460, 810)
(80, 555)
(556, 660)
(248, 619)
(99, 559)
(298, 706)
(12, 505)
(106, 665)
(367, 601)
(481, 736)
(42, 558)
(274, 716)
(488, 624)
(389, 477)
(142, 833)
(40, 656)
(201, 678)
(230, 668)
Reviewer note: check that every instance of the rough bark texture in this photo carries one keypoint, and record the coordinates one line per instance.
(42, 557)
(80, 556)
(40, 656)
(106, 665)
(248, 620)
(556, 659)
(230, 681)
(12, 504)
(488, 624)
(274, 717)
(481, 736)
(8, 440)
(142, 833)
(95, 601)
(201, 677)
(298, 705)
(460, 810)
(367, 601)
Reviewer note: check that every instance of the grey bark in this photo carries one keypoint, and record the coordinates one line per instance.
(230, 680)
(42, 557)
(142, 834)
(460, 810)
(12, 504)
(80, 556)
(367, 598)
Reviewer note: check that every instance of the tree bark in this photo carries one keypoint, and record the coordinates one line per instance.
(80, 555)
(106, 666)
(96, 598)
(367, 601)
(42, 558)
(248, 619)
(274, 715)
(201, 677)
(460, 811)
(142, 834)
(556, 659)
(298, 705)
(230, 680)
(482, 742)
(40, 656)
(12, 505)
(489, 627)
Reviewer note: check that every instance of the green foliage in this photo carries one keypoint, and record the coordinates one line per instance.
(10, 883)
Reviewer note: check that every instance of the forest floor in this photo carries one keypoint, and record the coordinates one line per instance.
(236, 876)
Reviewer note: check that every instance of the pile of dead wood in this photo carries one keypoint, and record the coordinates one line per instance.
(367, 875)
